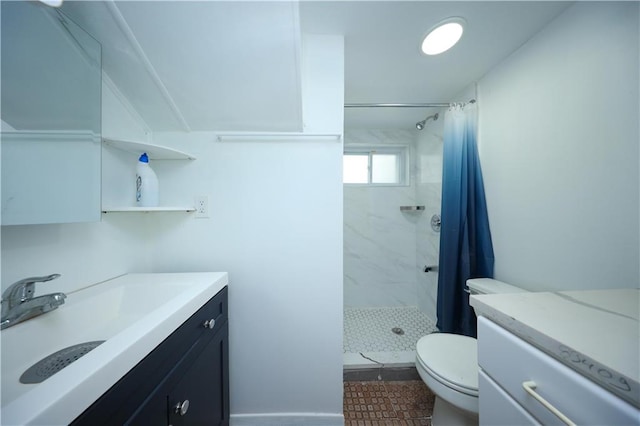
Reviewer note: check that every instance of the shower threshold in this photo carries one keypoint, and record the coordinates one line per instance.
(398, 359)
(377, 374)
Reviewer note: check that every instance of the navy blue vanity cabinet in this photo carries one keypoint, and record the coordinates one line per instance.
(200, 396)
(184, 381)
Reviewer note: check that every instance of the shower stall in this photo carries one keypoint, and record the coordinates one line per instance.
(392, 191)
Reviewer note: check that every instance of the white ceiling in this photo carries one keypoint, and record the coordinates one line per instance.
(235, 65)
(206, 65)
(383, 62)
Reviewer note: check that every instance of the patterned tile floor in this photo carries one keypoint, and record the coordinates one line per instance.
(369, 330)
(391, 403)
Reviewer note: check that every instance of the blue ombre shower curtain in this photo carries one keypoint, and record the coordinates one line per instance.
(466, 250)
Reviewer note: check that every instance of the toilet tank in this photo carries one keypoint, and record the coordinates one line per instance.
(491, 286)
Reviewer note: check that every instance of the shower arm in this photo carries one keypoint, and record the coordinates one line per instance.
(420, 124)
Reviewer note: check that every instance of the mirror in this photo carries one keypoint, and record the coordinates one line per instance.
(51, 86)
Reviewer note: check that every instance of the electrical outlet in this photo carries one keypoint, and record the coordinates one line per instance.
(202, 206)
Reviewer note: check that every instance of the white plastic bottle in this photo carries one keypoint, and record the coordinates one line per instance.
(146, 184)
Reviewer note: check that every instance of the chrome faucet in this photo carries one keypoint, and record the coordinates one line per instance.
(18, 303)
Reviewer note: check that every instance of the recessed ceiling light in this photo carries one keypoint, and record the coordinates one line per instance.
(52, 3)
(443, 36)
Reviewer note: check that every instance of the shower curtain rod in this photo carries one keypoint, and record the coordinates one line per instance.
(401, 105)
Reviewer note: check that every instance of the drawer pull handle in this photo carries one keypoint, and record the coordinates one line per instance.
(210, 323)
(530, 386)
(182, 408)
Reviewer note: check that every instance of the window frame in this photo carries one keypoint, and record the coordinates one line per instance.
(401, 151)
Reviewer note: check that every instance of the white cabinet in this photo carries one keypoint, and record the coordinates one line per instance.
(51, 117)
(507, 362)
(119, 175)
(50, 177)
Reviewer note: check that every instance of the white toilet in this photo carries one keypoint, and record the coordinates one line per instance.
(448, 364)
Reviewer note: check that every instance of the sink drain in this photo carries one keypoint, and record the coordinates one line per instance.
(47, 367)
(398, 331)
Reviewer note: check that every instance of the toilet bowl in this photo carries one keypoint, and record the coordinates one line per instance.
(448, 364)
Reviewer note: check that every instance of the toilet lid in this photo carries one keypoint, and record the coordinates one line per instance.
(451, 357)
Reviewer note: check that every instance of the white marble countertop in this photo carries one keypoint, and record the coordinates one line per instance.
(595, 332)
(132, 313)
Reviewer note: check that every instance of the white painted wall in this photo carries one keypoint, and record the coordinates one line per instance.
(84, 253)
(276, 226)
(558, 144)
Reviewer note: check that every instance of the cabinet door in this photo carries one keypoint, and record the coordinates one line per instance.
(50, 178)
(202, 394)
(153, 411)
(51, 117)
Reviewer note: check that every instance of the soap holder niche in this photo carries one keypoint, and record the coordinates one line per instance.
(411, 208)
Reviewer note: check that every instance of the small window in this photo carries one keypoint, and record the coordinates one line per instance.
(355, 168)
(375, 165)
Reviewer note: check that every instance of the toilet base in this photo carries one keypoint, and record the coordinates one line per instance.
(446, 414)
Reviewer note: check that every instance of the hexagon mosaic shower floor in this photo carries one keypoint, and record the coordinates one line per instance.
(369, 330)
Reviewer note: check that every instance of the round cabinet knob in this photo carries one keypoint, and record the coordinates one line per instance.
(182, 407)
(210, 323)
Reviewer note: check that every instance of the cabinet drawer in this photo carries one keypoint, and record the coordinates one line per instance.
(497, 408)
(215, 310)
(510, 361)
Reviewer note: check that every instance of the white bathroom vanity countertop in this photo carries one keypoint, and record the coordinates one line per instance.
(595, 332)
(132, 313)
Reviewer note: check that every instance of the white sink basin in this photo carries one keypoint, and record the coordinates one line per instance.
(132, 313)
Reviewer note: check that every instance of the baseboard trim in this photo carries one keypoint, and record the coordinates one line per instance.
(287, 419)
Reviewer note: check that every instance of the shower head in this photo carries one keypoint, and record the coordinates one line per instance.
(420, 124)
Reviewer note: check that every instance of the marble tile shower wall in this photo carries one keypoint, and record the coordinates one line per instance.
(428, 191)
(384, 251)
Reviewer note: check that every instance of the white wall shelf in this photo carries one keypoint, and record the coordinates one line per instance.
(155, 152)
(187, 209)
